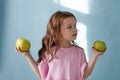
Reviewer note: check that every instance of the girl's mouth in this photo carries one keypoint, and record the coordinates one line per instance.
(75, 34)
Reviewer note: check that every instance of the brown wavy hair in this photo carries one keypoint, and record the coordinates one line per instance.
(52, 36)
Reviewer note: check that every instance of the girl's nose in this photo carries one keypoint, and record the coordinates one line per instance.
(75, 29)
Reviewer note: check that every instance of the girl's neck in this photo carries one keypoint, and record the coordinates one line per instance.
(65, 44)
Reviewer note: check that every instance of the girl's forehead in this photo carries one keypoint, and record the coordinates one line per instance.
(69, 20)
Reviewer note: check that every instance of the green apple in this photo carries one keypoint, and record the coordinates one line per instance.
(23, 44)
(99, 45)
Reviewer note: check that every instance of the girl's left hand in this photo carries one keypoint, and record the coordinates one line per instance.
(98, 53)
(23, 53)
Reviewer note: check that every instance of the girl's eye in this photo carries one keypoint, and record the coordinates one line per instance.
(69, 27)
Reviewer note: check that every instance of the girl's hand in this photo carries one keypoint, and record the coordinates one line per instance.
(97, 53)
(23, 53)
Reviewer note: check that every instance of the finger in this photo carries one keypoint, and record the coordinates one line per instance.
(16, 49)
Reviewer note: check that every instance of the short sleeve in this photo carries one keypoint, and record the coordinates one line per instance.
(43, 68)
(83, 63)
(83, 69)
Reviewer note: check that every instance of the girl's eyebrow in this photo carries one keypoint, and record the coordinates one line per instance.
(69, 24)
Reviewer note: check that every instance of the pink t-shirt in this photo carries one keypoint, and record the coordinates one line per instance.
(69, 64)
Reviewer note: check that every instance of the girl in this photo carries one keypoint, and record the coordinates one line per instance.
(59, 57)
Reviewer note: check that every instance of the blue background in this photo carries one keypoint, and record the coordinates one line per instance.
(28, 19)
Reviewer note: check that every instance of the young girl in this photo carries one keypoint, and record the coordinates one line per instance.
(59, 57)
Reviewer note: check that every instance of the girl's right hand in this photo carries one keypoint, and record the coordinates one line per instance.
(23, 53)
(98, 53)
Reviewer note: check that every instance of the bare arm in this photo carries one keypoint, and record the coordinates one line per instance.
(33, 65)
(32, 62)
(89, 68)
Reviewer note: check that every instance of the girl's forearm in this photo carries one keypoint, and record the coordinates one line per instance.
(89, 68)
(33, 65)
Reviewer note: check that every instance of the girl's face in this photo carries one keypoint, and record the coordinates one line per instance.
(68, 29)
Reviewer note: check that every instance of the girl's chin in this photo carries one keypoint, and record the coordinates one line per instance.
(75, 38)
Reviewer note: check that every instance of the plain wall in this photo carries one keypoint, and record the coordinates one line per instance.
(28, 19)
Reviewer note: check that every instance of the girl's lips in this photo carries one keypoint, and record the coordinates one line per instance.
(74, 34)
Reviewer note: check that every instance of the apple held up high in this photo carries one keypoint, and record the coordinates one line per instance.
(23, 44)
(99, 45)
